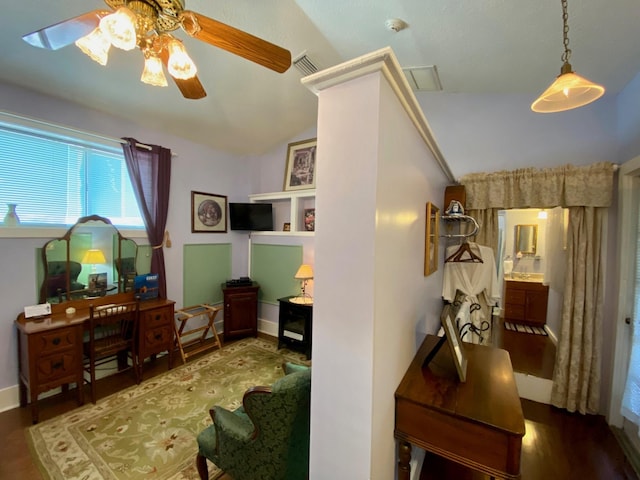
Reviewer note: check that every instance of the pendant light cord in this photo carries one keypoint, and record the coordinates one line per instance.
(565, 33)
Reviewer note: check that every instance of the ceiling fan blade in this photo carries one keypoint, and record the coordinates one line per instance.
(66, 32)
(236, 41)
(190, 88)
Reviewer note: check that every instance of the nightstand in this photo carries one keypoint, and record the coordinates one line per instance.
(295, 323)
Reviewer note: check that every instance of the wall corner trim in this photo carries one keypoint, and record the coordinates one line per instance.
(385, 61)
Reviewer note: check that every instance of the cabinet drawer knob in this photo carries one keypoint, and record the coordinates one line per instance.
(158, 316)
(56, 341)
(158, 336)
(57, 365)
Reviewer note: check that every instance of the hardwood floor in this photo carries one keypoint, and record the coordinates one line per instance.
(558, 445)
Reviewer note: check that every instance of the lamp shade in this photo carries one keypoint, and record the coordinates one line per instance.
(95, 45)
(567, 92)
(305, 272)
(94, 256)
(152, 73)
(120, 28)
(180, 65)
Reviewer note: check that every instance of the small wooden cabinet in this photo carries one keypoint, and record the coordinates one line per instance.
(295, 323)
(240, 311)
(526, 303)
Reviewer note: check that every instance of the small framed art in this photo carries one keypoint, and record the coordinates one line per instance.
(208, 213)
(431, 239)
(457, 347)
(300, 169)
(310, 219)
(286, 227)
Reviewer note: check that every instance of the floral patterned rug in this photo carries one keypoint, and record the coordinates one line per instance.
(150, 430)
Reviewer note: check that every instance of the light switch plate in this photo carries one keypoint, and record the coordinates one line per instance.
(37, 310)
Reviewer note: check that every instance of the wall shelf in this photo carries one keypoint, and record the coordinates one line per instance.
(288, 207)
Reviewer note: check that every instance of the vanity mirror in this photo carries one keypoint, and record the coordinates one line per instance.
(526, 239)
(91, 260)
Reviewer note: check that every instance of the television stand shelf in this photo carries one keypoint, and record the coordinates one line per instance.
(198, 344)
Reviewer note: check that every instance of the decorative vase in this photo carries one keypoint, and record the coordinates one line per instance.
(11, 219)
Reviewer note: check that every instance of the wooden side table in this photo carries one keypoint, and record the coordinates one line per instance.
(295, 323)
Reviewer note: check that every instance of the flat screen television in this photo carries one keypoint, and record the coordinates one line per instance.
(251, 216)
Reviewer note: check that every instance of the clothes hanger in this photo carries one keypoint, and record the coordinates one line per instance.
(464, 248)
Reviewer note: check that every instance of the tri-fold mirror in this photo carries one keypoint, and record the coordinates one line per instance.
(91, 260)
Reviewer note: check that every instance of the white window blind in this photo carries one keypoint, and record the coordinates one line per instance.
(56, 179)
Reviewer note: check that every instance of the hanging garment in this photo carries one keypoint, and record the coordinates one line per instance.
(479, 282)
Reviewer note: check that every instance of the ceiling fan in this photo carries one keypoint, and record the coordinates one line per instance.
(147, 25)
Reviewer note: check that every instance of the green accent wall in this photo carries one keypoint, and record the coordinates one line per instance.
(206, 267)
(273, 267)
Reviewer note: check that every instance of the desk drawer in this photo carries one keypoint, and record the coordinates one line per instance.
(46, 343)
(156, 340)
(50, 370)
(155, 318)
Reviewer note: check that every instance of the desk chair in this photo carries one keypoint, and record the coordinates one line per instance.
(112, 335)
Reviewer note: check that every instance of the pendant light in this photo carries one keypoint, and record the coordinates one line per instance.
(569, 89)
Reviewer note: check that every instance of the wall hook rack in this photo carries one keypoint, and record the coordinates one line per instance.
(461, 218)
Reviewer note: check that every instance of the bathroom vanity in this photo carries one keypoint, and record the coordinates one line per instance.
(525, 302)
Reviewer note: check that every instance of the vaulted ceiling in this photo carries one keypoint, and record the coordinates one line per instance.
(492, 46)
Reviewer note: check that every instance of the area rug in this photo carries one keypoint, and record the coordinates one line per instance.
(150, 430)
(516, 327)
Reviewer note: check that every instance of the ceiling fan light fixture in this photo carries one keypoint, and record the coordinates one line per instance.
(569, 90)
(120, 28)
(152, 73)
(95, 45)
(180, 64)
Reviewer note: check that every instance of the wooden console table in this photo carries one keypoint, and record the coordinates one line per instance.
(478, 423)
(50, 349)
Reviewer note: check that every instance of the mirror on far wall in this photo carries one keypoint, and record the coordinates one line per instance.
(91, 260)
(526, 239)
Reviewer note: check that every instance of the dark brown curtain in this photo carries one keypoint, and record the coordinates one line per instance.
(149, 167)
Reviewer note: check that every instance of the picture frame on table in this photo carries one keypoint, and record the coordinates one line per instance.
(431, 238)
(286, 227)
(456, 346)
(208, 213)
(300, 167)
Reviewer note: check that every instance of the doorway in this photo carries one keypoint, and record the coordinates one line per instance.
(627, 311)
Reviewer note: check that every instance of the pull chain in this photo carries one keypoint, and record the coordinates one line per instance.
(565, 33)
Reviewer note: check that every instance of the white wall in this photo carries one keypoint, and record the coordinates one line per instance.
(373, 304)
(194, 168)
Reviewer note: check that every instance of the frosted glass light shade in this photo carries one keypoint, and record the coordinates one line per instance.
(180, 64)
(152, 73)
(568, 91)
(95, 45)
(120, 28)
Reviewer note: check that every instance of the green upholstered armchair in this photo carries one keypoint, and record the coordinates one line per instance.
(265, 439)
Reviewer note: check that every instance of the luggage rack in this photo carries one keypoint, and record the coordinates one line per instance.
(198, 344)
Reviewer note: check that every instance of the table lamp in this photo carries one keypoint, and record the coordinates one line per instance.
(304, 273)
(92, 257)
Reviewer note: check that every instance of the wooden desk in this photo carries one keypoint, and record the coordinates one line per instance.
(50, 349)
(478, 424)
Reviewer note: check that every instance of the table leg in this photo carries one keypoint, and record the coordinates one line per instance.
(404, 459)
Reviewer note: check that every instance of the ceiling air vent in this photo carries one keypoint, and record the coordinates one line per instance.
(304, 64)
(423, 79)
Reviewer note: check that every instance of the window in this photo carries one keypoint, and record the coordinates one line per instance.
(56, 178)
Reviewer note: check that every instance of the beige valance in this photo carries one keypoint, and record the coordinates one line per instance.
(566, 186)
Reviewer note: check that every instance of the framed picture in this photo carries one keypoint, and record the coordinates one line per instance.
(208, 213)
(457, 347)
(431, 237)
(286, 227)
(300, 169)
(310, 219)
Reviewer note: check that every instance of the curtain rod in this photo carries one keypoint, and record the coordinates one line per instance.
(22, 119)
